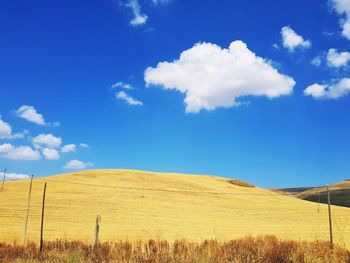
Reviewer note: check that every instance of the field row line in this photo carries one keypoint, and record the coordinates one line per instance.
(158, 189)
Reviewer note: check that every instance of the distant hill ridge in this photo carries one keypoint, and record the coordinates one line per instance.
(340, 193)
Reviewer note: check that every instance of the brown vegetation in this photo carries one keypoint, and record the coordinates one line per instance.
(240, 183)
(266, 249)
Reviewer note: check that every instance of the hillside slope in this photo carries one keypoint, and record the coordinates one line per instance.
(340, 193)
(142, 205)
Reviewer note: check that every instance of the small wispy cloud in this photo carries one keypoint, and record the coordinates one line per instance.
(122, 85)
(316, 61)
(6, 131)
(47, 140)
(291, 40)
(25, 153)
(69, 148)
(84, 145)
(342, 7)
(51, 154)
(329, 91)
(30, 114)
(275, 46)
(16, 176)
(161, 2)
(121, 95)
(139, 18)
(76, 165)
(337, 59)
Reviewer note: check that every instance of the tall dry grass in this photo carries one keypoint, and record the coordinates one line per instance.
(265, 249)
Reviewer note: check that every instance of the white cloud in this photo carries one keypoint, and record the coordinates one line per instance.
(337, 59)
(29, 113)
(18, 135)
(316, 61)
(160, 2)
(76, 165)
(275, 46)
(6, 147)
(329, 91)
(69, 148)
(23, 153)
(8, 151)
(121, 95)
(15, 176)
(292, 40)
(342, 7)
(47, 140)
(6, 131)
(211, 76)
(84, 145)
(328, 33)
(122, 85)
(51, 154)
(139, 18)
(54, 124)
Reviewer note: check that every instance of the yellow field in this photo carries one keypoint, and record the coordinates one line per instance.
(141, 205)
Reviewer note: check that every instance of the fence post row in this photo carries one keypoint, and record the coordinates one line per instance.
(98, 217)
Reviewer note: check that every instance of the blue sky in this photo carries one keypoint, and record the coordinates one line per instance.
(260, 91)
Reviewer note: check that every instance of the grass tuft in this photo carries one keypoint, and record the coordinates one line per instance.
(240, 183)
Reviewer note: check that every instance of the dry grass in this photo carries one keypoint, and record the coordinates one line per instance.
(195, 208)
(267, 249)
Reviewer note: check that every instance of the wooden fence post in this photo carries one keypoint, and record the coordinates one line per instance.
(3, 180)
(28, 207)
(97, 229)
(330, 218)
(42, 220)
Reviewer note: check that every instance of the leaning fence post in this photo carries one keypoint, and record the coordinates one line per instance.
(330, 218)
(28, 207)
(42, 220)
(97, 229)
(3, 180)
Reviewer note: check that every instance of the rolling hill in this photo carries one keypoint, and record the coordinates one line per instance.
(340, 193)
(137, 205)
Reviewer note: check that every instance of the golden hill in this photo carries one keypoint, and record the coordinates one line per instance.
(141, 205)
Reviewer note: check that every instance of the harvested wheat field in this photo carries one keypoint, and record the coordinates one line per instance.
(138, 205)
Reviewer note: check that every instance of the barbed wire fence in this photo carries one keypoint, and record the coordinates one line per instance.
(138, 190)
